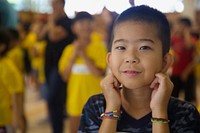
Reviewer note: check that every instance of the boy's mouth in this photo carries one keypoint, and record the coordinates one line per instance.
(131, 72)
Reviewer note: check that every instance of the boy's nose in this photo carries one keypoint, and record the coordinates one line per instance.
(131, 60)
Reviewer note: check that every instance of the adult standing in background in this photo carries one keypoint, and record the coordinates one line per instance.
(58, 34)
(8, 15)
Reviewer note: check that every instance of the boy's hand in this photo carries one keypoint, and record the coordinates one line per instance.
(110, 87)
(162, 89)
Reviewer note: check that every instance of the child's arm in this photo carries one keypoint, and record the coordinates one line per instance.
(162, 89)
(90, 64)
(17, 111)
(67, 71)
(110, 87)
(55, 32)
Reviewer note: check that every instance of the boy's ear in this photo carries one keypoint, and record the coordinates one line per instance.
(168, 60)
(108, 59)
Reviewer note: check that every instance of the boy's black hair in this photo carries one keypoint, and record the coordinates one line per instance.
(149, 15)
(185, 21)
(4, 40)
(14, 34)
(82, 15)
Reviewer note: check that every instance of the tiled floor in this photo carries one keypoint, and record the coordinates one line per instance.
(36, 113)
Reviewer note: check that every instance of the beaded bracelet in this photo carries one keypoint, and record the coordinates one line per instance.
(160, 120)
(116, 114)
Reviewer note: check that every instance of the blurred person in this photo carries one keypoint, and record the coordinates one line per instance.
(8, 15)
(109, 18)
(37, 54)
(29, 38)
(197, 74)
(11, 88)
(82, 65)
(197, 66)
(17, 55)
(57, 34)
(183, 45)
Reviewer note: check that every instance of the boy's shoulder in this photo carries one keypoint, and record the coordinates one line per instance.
(97, 99)
(182, 113)
(177, 105)
(96, 102)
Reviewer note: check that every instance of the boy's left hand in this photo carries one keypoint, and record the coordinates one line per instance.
(162, 89)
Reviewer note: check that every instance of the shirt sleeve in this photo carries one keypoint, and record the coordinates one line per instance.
(185, 119)
(90, 121)
(63, 61)
(12, 78)
(190, 121)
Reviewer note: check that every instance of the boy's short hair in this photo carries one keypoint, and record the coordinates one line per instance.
(185, 21)
(149, 15)
(82, 15)
(4, 40)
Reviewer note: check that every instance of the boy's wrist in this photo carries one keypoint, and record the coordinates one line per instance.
(159, 114)
(112, 108)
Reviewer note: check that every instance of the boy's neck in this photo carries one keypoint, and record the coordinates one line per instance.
(137, 102)
(84, 41)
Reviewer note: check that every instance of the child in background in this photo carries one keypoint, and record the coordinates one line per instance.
(11, 87)
(136, 93)
(183, 44)
(17, 55)
(82, 65)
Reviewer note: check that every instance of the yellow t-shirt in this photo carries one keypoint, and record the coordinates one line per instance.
(28, 43)
(38, 60)
(17, 56)
(82, 84)
(10, 83)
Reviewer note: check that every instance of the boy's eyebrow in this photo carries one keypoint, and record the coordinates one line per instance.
(119, 40)
(140, 40)
(146, 40)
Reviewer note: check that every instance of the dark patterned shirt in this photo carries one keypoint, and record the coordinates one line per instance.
(184, 118)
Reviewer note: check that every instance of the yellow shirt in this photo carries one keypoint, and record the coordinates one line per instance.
(10, 83)
(197, 66)
(16, 54)
(82, 84)
(38, 60)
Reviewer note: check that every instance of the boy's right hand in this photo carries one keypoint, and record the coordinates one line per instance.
(111, 90)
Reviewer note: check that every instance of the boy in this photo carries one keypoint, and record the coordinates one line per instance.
(136, 94)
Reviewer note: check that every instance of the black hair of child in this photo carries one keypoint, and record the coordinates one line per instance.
(82, 15)
(4, 40)
(14, 33)
(146, 14)
(185, 21)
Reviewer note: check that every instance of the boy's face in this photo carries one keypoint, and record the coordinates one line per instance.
(136, 54)
(83, 28)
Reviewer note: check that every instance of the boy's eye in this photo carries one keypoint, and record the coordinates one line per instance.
(145, 48)
(120, 48)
